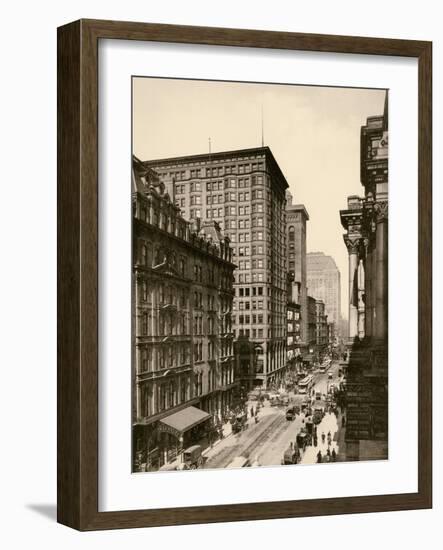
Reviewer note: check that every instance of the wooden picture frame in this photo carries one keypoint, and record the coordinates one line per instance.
(78, 274)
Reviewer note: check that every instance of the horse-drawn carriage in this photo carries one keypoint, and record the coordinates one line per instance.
(303, 439)
(239, 422)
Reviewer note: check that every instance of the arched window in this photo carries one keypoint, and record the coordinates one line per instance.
(291, 233)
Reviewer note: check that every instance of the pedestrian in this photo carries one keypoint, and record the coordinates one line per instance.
(334, 455)
(252, 412)
(319, 457)
(328, 452)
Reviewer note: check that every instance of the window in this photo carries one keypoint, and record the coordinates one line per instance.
(144, 255)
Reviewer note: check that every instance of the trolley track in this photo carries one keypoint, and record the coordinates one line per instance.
(275, 426)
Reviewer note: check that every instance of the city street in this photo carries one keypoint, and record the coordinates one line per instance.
(265, 442)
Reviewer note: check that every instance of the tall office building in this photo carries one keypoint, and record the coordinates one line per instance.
(296, 218)
(323, 283)
(244, 191)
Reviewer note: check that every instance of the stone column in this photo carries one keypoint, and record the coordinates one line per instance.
(352, 245)
(361, 303)
(368, 288)
(381, 258)
(138, 400)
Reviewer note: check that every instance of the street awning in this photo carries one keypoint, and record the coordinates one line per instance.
(182, 421)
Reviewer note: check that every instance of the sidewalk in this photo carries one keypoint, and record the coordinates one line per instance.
(227, 432)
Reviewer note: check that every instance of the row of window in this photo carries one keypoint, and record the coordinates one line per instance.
(218, 170)
(229, 210)
(252, 291)
(227, 183)
(175, 226)
(232, 196)
(259, 263)
(255, 304)
(252, 278)
(167, 395)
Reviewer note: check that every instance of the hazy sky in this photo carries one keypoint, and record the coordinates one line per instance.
(313, 132)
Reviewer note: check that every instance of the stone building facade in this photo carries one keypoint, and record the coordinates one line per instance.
(244, 192)
(321, 327)
(366, 223)
(312, 328)
(183, 362)
(293, 336)
(296, 218)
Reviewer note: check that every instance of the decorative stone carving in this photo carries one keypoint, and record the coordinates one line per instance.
(381, 209)
(352, 245)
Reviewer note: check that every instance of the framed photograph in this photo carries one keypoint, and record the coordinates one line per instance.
(244, 218)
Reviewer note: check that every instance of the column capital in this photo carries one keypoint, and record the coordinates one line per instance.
(353, 245)
(381, 210)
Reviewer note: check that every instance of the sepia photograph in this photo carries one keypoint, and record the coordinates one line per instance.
(259, 274)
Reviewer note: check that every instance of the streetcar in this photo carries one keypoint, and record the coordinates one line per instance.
(305, 385)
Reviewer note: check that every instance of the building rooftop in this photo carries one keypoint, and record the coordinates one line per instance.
(222, 155)
(319, 261)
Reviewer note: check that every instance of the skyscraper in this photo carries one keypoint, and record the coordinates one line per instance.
(323, 280)
(244, 191)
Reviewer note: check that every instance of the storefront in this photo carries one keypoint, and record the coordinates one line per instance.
(180, 430)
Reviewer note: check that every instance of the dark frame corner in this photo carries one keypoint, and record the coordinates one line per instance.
(77, 453)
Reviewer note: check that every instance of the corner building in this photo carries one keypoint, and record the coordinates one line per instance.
(183, 362)
(244, 192)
